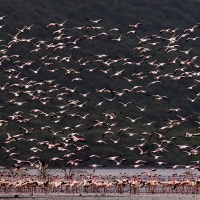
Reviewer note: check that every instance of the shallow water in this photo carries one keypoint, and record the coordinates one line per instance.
(103, 197)
(116, 172)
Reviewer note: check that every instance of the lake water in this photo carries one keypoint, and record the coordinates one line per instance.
(101, 197)
(116, 172)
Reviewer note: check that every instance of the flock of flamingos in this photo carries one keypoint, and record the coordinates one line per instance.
(66, 88)
(187, 183)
